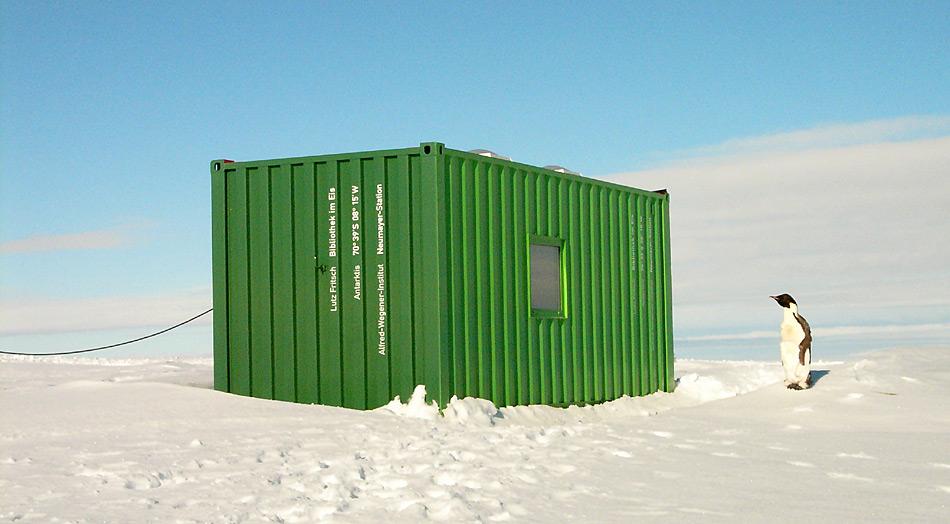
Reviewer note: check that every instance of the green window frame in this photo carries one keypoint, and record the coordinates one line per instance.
(547, 312)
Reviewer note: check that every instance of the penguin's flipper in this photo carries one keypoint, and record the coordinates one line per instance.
(804, 347)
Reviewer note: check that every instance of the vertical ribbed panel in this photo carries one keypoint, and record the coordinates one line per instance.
(668, 298)
(282, 278)
(219, 281)
(615, 338)
(306, 288)
(348, 279)
(317, 268)
(238, 342)
(401, 347)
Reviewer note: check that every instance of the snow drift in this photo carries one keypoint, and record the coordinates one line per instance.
(91, 440)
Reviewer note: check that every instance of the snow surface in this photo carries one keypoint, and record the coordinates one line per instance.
(97, 440)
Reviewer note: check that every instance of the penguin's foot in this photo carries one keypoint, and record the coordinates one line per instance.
(794, 386)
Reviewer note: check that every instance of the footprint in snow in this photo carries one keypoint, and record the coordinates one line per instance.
(436, 493)
(800, 464)
(299, 487)
(322, 512)
(699, 511)
(848, 476)
(494, 485)
(726, 455)
(393, 483)
(97, 455)
(330, 480)
(858, 455)
(516, 509)
(147, 502)
(472, 484)
(144, 482)
(451, 510)
(562, 469)
(419, 468)
(728, 432)
(524, 477)
(647, 512)
(445, 479)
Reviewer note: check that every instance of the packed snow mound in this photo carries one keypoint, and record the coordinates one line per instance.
(136, 442)
(416, 407)
(471, 411)
(741, 378)
(466, 411)
(709, 381)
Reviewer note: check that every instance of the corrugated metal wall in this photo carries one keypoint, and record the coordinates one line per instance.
(310, 257)
(348, 279)
(616, 337)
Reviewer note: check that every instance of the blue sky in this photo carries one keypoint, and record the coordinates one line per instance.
(110, 112)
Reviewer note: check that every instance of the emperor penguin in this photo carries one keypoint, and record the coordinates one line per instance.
(796, 344)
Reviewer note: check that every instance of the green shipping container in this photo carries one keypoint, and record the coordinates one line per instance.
(348, 279)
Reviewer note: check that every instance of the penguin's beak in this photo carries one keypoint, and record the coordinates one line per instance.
(773, 297)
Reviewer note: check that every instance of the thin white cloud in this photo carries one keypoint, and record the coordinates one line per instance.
(828, 136)
(87, 240)
(28, 316)
(838, 331)
(856, 233)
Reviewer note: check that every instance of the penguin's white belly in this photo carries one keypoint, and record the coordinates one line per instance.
(795, 371)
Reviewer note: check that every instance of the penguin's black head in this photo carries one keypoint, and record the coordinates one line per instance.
(784, 299)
